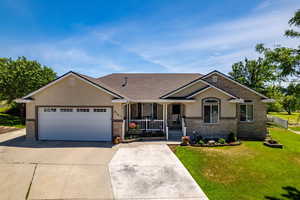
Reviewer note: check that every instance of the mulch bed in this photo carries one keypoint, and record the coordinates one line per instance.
(217, 145)
(6, 129)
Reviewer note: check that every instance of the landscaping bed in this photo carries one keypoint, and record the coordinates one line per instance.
(217, 144)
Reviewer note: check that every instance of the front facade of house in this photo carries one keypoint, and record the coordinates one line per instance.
(80, 108)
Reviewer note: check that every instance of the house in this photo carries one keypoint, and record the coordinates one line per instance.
(82, 108)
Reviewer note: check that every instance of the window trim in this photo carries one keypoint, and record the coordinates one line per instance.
(218, 103)
(247, 104)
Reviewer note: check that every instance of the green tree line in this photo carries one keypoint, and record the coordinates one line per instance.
(270, 72)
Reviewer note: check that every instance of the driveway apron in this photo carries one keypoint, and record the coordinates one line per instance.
(151, 172)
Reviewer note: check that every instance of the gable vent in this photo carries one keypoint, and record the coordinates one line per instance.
(214, 79)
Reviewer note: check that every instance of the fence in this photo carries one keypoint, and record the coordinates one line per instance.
(280, 122)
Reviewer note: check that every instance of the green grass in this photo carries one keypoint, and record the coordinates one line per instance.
(10, 120)
(293, 118)
(249, 171)
(295, 128)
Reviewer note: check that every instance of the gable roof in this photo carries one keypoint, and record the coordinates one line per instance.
(147, 86)
(201, 79)
(231, 79)
(85, 78)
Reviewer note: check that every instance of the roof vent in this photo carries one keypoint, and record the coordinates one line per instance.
(214, 79)
(125, 81)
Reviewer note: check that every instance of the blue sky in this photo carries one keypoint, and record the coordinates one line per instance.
(101, 37)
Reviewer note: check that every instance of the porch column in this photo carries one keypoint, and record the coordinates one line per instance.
(165, 116)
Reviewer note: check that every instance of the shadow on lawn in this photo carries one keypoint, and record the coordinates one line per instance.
(292, 194)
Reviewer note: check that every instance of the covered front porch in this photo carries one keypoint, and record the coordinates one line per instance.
(154, 120)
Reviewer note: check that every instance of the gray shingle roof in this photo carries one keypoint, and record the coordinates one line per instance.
(145, 86)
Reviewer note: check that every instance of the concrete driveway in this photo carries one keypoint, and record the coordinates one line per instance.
(87, 170)
(151, 172)
(53, 170)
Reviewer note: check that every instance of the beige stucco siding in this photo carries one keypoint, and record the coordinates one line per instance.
(195, 109)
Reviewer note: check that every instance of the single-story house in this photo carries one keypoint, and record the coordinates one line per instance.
(81, 108)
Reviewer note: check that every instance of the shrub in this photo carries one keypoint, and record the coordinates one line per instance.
(232, 137)
(117, 140)
(201, 142)
(185, 140)
(221, 141)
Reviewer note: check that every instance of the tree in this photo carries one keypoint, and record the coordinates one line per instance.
(289, 103)
(253, 73)
(21, 76)
(295, 21)
(286, 60)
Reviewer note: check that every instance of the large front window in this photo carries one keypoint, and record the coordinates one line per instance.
(211, 110)
(246, 112)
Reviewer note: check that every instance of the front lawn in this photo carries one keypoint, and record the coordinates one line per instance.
(292, 119)
(249, 171)
(11, 120)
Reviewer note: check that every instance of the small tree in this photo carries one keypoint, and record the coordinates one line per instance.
(289, 103)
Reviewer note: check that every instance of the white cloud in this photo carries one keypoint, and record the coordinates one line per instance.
(141, 47)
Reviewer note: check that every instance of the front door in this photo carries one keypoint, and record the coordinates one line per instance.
(175, 121)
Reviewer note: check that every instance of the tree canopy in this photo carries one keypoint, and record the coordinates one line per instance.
(274, 65)
(253, 73)
(21, 76)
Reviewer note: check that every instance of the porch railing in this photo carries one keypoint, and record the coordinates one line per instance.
(148, 124)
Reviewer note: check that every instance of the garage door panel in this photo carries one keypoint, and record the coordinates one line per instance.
(82, 126)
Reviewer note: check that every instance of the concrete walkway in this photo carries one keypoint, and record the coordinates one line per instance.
(151, 171)
(297, 132)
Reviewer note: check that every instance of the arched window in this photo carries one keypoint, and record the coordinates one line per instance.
(211, 110)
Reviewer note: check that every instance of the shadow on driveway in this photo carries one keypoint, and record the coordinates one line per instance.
(22, 142)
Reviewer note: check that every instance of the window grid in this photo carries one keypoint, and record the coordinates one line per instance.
(83, 110)
(211, 111)
(99, 110)
(49, 109)
(246, 112)
(66, 110)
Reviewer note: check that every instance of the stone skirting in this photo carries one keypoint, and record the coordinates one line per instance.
(30, 129)
(245, 130)
(117, 128)
(223, 127)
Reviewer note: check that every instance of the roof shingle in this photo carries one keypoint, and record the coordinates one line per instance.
(146, 86)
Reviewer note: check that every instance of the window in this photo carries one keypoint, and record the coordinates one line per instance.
(211, 110)
(246, 112)
(49, 109)
(83, 110)
(99, 110)
(66, 110)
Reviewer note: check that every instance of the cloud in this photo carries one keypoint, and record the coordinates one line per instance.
(144, 45)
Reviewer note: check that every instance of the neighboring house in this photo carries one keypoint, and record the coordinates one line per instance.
(79, 107)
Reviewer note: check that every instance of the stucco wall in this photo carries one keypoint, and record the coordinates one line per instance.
(70, 91)
(195, 109)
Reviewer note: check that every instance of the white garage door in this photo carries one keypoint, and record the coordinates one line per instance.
(74, 123)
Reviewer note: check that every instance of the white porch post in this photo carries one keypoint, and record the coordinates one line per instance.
(166, 120)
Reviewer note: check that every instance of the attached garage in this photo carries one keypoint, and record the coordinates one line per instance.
(75, 123)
